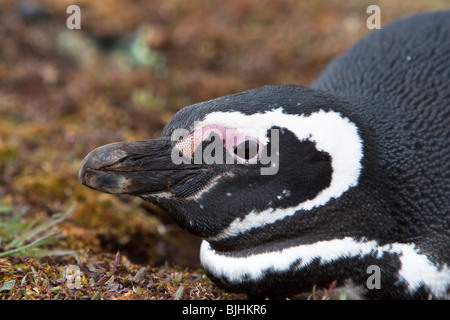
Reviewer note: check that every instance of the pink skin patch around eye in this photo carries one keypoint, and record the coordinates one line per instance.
(230, 137)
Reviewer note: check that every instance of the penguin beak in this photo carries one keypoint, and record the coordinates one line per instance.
(138, 167)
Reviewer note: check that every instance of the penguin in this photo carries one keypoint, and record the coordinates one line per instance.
(345, 182)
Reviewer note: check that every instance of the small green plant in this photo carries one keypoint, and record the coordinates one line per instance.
(19, 237)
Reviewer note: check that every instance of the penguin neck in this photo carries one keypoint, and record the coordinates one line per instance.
(334, 220)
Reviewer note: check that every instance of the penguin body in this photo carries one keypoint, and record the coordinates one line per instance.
(313, 186)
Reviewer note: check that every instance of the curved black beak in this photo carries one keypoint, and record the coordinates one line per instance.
(138, 167)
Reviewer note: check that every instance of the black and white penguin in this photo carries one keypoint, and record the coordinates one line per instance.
(292, 187)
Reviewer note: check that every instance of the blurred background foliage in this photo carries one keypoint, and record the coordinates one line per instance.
(121, 77)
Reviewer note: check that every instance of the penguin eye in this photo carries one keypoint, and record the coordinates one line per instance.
(246, 150)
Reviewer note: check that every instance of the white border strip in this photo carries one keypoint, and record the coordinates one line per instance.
(416, 269)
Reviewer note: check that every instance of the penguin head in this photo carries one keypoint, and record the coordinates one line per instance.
(239, 162)
(292, 187)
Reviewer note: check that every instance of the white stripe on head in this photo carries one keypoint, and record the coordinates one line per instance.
(331, 132)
